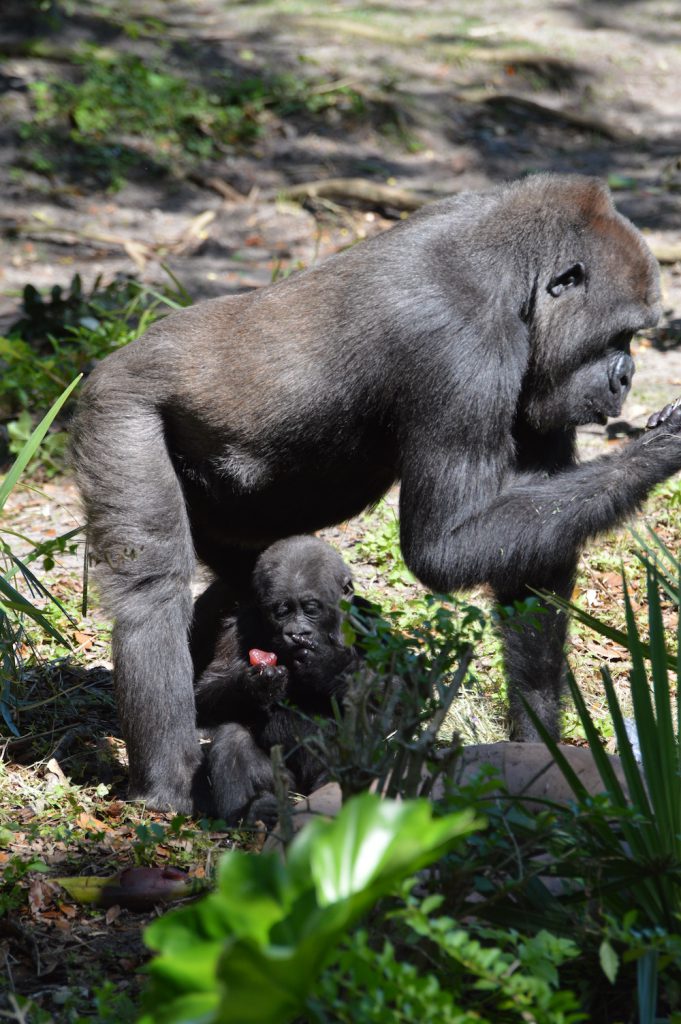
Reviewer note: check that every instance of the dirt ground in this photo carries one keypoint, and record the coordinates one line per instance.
(482, 93)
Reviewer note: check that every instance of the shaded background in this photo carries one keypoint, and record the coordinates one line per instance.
(242, 100)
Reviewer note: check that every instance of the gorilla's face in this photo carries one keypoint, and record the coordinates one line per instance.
(580, 368)
(305, 626)
(300, 584)
(302, 619)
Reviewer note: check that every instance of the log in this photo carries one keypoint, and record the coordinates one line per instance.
(526, 770)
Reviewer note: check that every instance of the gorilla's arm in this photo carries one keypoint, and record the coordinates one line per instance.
(230, 689)
(504, 527)
(524, 531)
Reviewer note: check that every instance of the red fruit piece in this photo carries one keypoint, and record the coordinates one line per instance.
(261, 658)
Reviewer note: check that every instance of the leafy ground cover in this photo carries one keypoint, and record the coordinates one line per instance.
(147, 137)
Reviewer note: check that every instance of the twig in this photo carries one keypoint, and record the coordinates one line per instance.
(223, 188)
(281, 788)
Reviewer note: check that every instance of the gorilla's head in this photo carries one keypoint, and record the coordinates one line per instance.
(600, 286)
(299, 584)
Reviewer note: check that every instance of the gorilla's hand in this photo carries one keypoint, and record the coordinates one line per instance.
(669, 417)
(267, 684)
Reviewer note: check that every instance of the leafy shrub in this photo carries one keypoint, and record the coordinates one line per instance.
(186, 121)
(379, 546)
(58, 338)
(272, 943)
(445, 974)
(252, 950)
(389, 731)
(61, 336)
(13, 605)
(640, 840)
(570, 913)
(52, 452)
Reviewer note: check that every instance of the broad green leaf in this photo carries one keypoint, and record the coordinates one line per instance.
(192, 969)
(254, 893)
(189, 1009)
(379, 840)
(267, 985)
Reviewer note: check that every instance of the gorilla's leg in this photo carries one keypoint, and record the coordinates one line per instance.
(241, 776)
(141, 545)
(534, 658)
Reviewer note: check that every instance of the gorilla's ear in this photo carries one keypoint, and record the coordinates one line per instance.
(348, 588)
(570, 278)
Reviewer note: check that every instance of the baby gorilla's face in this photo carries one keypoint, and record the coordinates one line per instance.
(299, 584)
(305, 634)
(305, 627)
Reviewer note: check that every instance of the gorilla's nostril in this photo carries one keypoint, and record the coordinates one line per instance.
(621, 372)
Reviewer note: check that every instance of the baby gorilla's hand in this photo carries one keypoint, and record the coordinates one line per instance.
(267, 683)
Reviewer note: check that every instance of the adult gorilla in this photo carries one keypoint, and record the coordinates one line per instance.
(456, 353)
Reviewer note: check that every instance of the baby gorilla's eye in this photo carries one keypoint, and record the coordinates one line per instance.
(312, 608)
(281, 610)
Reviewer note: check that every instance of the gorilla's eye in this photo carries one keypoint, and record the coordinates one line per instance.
(311, 608)
(569, 278)
(281, 610)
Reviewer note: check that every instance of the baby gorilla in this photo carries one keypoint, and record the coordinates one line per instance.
(298, 585)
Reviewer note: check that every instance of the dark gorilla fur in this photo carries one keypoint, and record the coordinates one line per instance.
(298, 585)
(456, 353)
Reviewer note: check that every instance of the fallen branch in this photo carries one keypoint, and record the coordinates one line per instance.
(354, 188)
(139, 252)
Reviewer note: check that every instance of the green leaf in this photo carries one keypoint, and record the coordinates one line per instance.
(7, 718)
(646, 985)
(618, 636)
(621, 181)
(378, 841)
(644, 851)
(267, 985)
(194, 970)
(11, 598)
(609, 961)
(187, 1009)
